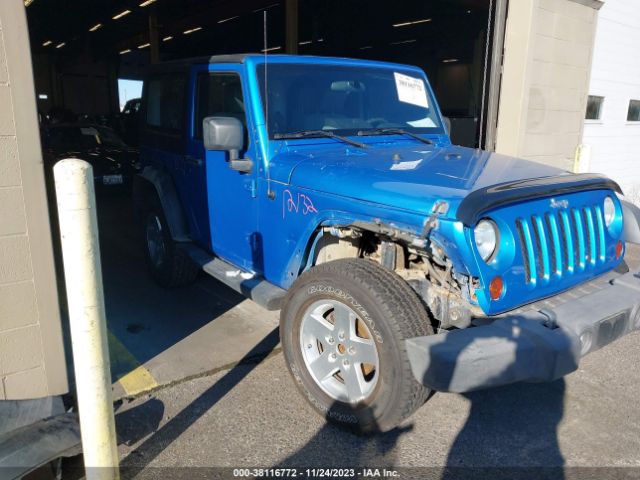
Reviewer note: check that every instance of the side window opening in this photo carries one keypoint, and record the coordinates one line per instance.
(165, 104)
(218, 95)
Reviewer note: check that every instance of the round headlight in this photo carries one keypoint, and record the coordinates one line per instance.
(609, 211)
(486, 236)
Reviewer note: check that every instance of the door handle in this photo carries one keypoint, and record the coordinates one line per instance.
(196, 162)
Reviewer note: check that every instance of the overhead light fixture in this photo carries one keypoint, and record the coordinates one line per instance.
(146, 3)
(166, 39)
(47, 43)
(412, 22)
(468, 11)
(270, 49)
(60, 45)
(122, 52)
(366, 47)
(121, 14)
(306, 42)
(43, 96)
(144, 45)
(191, 30)
(404, 41)
(321, 40)
(228, 19)
(450, 60)
(95, 27)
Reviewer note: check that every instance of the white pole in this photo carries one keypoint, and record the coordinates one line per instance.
(83, 278)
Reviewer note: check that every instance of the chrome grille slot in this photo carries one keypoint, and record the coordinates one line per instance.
(526, 247)
(556, 251)
(602, 249)
(555, 244)
(591, 237)
(578, 231)
(567, 233)
(542, 249)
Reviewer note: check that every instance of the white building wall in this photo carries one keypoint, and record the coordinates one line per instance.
(545, 79)
(615, 75)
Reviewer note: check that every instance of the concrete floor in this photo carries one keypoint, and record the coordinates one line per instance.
(159, 336)
(251, 415)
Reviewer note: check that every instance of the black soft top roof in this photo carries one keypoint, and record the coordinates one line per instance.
(187, 62)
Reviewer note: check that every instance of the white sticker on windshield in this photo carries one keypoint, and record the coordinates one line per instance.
(406, 165)
(411, 90)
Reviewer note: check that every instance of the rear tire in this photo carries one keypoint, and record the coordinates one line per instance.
(360, 299)
(168, 263)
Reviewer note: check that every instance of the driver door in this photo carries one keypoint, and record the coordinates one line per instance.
(219, 92)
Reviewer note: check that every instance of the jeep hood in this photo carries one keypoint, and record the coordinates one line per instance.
(404, 175)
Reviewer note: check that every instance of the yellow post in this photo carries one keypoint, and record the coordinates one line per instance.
(582, 159)
(83, 278)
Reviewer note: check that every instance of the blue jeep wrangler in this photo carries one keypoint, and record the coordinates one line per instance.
(329, 188)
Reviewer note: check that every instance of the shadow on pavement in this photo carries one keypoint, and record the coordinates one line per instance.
(170, 431)
(334, 447)
(511, 433)
(134, 424)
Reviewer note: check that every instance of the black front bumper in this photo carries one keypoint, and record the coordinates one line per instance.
(534, 346)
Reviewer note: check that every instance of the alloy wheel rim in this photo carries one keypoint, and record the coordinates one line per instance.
(339, 351)
(155, 240)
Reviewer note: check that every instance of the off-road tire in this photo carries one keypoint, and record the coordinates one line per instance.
(392, 311)
(176, 268)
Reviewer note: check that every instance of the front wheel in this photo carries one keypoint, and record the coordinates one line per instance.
(343, 328)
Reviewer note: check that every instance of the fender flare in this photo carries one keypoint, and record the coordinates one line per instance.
(631, 216)
(163, 186)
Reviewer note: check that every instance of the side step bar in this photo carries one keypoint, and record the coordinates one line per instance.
(248, 284)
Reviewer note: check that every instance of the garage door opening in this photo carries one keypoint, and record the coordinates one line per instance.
(82, 51)
(89, 62)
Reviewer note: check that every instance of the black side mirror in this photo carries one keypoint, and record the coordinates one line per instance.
(226, 133)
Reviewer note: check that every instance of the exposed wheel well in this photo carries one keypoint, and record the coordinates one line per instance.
(156, 185)
(448, 294)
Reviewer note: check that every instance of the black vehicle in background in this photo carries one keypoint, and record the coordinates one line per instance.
(129, 121)
(114, 162)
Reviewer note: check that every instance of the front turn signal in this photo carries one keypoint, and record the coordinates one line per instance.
(496, 288)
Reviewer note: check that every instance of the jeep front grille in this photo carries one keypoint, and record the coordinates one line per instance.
(559, 243)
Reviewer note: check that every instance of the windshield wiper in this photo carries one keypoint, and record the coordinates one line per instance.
(318, 133)
(392, 131)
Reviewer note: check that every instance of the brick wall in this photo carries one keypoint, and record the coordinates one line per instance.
(31, 351)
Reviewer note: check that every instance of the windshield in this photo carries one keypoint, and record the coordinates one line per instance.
(346, 100)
